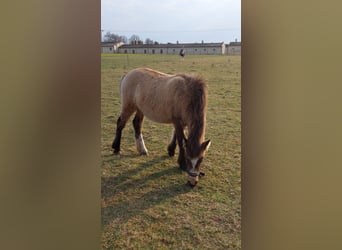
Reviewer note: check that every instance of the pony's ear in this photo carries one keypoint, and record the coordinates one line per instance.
(205, 145)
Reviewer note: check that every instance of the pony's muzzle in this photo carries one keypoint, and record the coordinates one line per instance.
(194, 177)
(192, 180)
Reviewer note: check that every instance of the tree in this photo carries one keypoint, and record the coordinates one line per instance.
(123, 39)
(111, 37)
(134, 39)
(148, 41)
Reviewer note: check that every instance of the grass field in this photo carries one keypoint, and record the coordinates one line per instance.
(146, 203)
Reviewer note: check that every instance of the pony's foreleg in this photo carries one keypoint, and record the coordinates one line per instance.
(179, 130)
(139, 140)
(173, 143)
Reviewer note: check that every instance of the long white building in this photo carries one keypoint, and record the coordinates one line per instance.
(174, 49)
(234, 48)
(110, 47)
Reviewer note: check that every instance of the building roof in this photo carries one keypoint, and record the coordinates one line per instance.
(171, 45)
(234, 44)
(110, 44)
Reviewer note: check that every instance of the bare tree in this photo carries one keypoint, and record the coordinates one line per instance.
(148, 41)
(134, 39)
(111, 37)
(123, 39)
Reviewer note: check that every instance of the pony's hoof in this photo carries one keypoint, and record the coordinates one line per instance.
(116, 152)
(171, 151)
(144, 153)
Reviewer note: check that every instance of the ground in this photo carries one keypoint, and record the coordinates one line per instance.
(146, 202)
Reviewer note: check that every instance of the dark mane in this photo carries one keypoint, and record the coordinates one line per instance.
(197, 110)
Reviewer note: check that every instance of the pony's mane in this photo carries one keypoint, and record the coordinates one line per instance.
(197, 110)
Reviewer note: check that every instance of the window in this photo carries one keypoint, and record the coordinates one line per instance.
(125, 51)
(153, 51)
(145, 51)
(133, 51)
(161, 51)
(110, 49)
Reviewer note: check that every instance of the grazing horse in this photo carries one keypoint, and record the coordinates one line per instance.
(182, 53)
(178, 99)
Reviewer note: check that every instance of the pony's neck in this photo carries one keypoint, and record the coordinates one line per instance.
(197, 114)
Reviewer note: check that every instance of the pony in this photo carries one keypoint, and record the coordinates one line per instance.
(179, 99)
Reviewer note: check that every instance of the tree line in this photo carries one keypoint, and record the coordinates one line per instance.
(134, 39)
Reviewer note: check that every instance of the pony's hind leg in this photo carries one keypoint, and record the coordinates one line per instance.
(117, 140)
(139, 140)
(172, 145)
(121, 122)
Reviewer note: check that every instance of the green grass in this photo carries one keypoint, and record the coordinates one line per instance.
(146, 203)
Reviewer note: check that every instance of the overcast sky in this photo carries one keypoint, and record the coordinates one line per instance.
(173, 20)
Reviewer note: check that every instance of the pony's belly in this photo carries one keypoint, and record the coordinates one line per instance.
(156, 110)
(160, 117)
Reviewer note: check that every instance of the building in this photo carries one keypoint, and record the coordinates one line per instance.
(174, 48)
(233, 48)
(110, 47)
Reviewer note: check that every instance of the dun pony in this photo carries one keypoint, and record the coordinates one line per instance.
(179, 99)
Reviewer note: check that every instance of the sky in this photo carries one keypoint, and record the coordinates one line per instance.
(166, 21)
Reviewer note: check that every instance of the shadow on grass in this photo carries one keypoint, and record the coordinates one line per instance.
(123, 211)
(124, 186)
(111, 185)
(110, 157)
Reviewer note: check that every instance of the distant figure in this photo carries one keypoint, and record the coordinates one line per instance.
(182, 53)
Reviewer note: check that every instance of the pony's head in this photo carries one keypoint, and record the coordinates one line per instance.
(194, 160)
